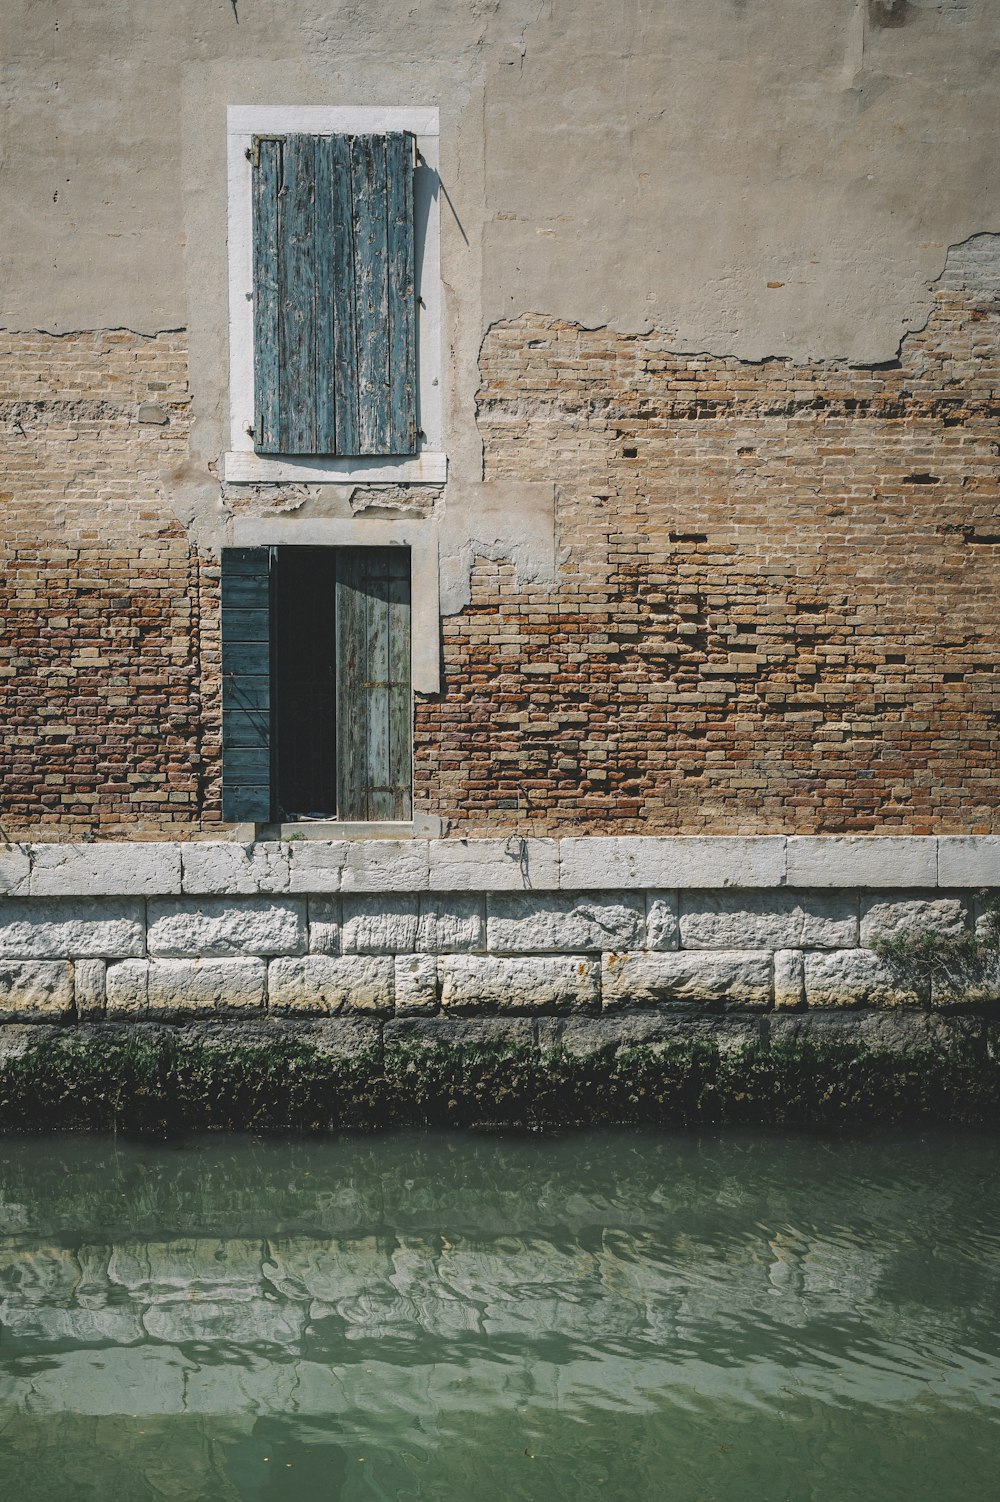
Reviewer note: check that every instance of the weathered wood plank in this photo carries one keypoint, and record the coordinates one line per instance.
(401, 437)
(266, 170)
(245, 692)
(244, 591)
(297, 330)
(345, 358)
(246, 727)
(399, 804)
(324, 395)
(246, 668)
(352, 674)
(242, 804)
(245, 627)
(376, 569)
(368, 189)
(246, 764)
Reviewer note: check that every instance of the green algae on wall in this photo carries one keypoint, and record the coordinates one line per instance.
(645, 1070)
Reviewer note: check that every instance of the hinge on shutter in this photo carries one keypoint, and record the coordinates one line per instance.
(253, 150)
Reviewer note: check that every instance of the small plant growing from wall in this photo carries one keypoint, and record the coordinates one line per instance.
(935, 954)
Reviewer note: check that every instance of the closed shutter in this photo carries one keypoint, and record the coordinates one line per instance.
(334, 295)
(373, 684)
(246, 685)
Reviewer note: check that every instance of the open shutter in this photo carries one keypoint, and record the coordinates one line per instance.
(246, 685)
(334, 295)
(373, 683)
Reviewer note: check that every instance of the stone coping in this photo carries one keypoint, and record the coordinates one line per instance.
(577, 864)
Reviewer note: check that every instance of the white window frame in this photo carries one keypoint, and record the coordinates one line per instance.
(241, 465)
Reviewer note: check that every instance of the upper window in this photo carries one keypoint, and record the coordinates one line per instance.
(334, 302)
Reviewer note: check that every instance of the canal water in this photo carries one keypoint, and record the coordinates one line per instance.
(682, 1318)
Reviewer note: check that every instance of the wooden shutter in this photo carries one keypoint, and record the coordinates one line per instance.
(246, 685)
(373, 683)
(334, 295)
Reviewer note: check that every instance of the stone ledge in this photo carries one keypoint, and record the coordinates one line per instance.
(861, 861)
(572, 864)
(593, 861)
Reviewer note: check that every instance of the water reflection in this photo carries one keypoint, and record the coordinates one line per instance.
(607, 1316)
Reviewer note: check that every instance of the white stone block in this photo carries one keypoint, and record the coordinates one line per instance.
(168, 987)
(451, 924)
(316, 865)
(515, 864)
(382, 924)
(89, 991)
(217, 926)
(320, 984)
(15, 868)
(39, 989)
(488, 983)
(543, 923)
(662, 926)
(416, 984)
(324, 925)
(225, 869)
(968, 860)
(126, 870)
(55, 928)
(776, 918)
(849, 860)
(789, 979)
(385, 866)
(741, 979)
(893, 914)
(671, 861)
(856, 977)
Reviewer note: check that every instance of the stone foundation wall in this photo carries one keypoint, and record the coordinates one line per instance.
(441, 928)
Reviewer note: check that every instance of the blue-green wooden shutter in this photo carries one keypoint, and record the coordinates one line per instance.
(334, 295)
(246, 685)
(373, 684)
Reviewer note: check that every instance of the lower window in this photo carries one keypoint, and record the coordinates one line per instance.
(316, 701)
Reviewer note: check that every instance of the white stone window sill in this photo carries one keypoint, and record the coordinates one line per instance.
(244, 467)
(428, 826)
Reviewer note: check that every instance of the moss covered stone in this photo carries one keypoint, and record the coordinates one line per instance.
(274, 1075)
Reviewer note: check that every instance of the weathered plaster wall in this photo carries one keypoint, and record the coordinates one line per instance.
(631, 639)
(753, 177)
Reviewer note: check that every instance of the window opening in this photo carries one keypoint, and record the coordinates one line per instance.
(316, 684)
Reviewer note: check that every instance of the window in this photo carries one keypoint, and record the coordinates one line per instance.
(334, 296)
(316, 693)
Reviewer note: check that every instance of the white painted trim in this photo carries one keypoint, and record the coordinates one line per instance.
(241, 465)
(265, 469)
(363, 531)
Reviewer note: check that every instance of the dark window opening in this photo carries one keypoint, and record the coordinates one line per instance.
(305, 681)
(316, 684)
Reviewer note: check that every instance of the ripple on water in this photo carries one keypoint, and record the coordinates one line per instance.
(611, 1316)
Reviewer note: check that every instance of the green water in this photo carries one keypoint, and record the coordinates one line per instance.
(609, 1316)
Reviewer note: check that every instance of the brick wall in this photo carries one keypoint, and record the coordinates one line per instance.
(776, 611)
(778, 608)
(108, 616)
